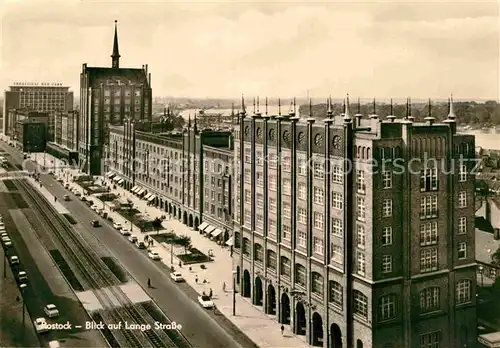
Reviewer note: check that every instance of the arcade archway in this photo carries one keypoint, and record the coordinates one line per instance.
(317, 330)
(259, 293)
(285, 309)
(300, 319)
(247, 284)
(271, 300)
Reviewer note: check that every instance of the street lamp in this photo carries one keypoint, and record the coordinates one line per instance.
(481, 268)
(234, 292)
(23, 287)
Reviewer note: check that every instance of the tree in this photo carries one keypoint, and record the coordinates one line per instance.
(157, 224)
(495, 257)
(184, 241)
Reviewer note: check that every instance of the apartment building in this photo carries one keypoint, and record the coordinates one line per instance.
(179, 172)
(345, 232)
(108, 96)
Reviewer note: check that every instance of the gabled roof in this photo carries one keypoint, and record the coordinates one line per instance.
(98, 74)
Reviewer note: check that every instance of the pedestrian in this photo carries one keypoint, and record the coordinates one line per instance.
(282, 329)
(224, 287)
(210, 293)
(149, 282)
(196, 279)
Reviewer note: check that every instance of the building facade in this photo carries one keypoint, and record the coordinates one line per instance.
(108, 96)
(26, 115)
(42, 97)
(31, 135)
(344, 231)
(65, 129)
(187, 174)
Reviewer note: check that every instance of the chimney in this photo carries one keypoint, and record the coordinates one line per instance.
(146, 68)
(496, 234)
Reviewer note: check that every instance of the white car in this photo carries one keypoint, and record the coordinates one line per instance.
(94, 208)
(78, 194)
(176, 277)
(125, 232)
(51, 310)
(2, 225)
(22, 276)
(117, 225)
(205, 301)
(41, 325)
(14, 260)
(4, 234)
(132, 238)
(6, 241)
(153, 255)
(66, 186)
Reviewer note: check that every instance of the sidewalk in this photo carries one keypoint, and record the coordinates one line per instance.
(258, 326)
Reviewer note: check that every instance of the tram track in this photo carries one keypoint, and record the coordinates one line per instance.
(98, 278)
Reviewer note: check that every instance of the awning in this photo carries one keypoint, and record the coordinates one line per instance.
(116, 178)
(120, 181)
(110, 175)
(229, 242)
(141, 191)
(148, 195)
(202, 226)
(216, 232)
(209, 229)
(151, 198)
(134, 188)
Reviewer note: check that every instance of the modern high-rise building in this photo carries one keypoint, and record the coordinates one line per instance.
(345, 232)
(108, 96)
(31, 96)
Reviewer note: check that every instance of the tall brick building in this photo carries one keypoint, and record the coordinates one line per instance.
(343, 232)
(108, 96)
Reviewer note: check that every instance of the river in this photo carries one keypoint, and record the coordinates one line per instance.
(486, 141)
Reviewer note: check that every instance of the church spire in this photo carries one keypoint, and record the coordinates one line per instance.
(115, 57)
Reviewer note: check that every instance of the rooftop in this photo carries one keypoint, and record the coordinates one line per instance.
(486, 245)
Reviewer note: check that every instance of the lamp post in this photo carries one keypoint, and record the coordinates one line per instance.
(23, 287)
(234, 293)
(481, 269)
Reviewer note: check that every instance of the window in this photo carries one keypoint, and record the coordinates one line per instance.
(318, 220)
(317, 283)
(272, 226)
(287, 210)
(287, 163)
(300, 274)
(360, 304)
(258, 253)
(360, 263)
(285, 266)
(301, 166)
(360, 236)
(318, 245)
(246, 246)
(318, 195)
(248, 196)
(248, 155)
(301, 190)
(287, 187)
(428, 179)
(463, 291)
(301, 215)
(428, 260)
(302, 237)
(337, 254)
(387, 180)
(259, 157)
(271, 259)
(259, 221)
(337, 200)
(337, 174)
(428, 206)
(429, 299)
(462, 174)
(462, 250)
(430, 340)
(248, 216)
(462, 199)
(272, 205)
(386, 263)
(286, 231)
(336, 294)
(272, 183)
(360, 212)
(318, 170)
(337, 227)
(360, 181)
(387, 208)
(260, 200)
(387, 307)
(387, 236)
(248, 176)
(272, 160)
(462, 225)
(428, 233)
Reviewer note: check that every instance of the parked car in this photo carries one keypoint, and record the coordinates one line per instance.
(22, 277)
(66, 198)
(176, 277)
(94, 208)
(125, 231)
(205, 301)
(95, 223)
(83, 198)
(153, 255)
(6, 241)
(132, 238)
(51, 311)
(14, 260)
(4, 234)
(41, 325)
(60, 180)
(140, 244)
(78, 194)
(117, 225)
(66, 186)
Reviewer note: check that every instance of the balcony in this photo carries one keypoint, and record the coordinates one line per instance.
(430, 214)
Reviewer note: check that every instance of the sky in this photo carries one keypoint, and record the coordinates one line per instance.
(279, 49)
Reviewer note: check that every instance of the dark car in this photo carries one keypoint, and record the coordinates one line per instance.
(95, 223)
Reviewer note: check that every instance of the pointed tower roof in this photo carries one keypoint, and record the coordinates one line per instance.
(374, 114)
(391, 116)
(410, 117)
(358, 113)
(347, 111)
(115, 56)
(451, 114)
(329, 110)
